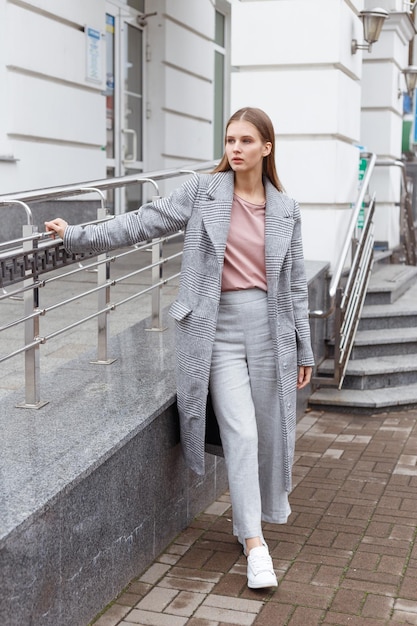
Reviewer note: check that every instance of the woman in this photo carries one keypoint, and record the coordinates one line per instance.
(242, 329)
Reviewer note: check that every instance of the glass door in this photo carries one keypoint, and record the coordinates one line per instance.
(124, 102)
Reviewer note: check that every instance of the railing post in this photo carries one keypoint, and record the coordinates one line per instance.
(31, 332)
(338, 320)
(103, 329)
(157, 277)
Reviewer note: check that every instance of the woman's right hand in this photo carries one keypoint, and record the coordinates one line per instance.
(57, 226)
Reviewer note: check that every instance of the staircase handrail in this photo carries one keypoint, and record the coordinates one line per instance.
(353, 222)
(337, 274)
(346, 300)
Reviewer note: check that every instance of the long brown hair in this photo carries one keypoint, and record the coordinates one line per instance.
(264, 126)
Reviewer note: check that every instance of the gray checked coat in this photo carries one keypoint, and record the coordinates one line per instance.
(202, 206)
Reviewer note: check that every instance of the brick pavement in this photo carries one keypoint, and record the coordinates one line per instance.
(348, 555)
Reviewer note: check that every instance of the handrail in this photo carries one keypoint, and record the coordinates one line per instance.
(346, 301)
(353, 297)
(64, 191)
(337, 274)
(29, 213)
(39, 237)
(353, 222)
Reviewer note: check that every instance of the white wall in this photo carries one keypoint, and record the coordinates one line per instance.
(55, 118)
(189, 83)
(181, 38)
(180, 77)
(293, 59)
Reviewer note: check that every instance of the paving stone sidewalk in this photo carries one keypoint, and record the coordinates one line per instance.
(348, 555)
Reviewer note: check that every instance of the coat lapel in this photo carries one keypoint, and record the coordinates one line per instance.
(216, 209)
(279, 224)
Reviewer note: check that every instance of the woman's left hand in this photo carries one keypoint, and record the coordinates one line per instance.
(304, 376)
(56, 226)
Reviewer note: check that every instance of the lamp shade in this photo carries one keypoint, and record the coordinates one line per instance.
(373, 22)
(410, 75)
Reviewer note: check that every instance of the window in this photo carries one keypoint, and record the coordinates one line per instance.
(139, 5)
(220, 89)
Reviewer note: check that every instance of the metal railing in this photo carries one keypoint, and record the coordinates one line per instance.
(407, 230)
(25, 263)
(347, 290)
(347, 294)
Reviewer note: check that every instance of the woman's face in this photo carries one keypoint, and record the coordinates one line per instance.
(245, 149)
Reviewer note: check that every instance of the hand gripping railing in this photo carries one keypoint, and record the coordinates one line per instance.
(346, 296)
(25, 259)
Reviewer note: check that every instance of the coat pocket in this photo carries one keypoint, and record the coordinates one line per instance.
(179, 311)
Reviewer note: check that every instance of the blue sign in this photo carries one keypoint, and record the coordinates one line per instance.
(93, 55)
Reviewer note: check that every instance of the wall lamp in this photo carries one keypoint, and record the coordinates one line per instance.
(373, 22)
(410, 75)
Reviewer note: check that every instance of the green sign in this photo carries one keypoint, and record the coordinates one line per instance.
(362, 169)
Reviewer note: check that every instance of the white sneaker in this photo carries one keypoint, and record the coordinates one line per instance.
(260, 569)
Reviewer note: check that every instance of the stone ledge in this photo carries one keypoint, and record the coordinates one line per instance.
(94, 485)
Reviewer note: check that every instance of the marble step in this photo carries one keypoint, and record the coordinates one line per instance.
(389, 282)
(400, 314)
(376, 372)
(383, 342)
(366, 400)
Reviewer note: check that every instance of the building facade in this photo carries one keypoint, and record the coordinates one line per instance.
(100, 89)
(93, 89)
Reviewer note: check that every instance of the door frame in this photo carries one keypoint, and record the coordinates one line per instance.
(124, 16)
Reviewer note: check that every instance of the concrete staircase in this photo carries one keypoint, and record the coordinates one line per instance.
(382, 371)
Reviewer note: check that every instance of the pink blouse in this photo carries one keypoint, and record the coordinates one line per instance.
(244, 259)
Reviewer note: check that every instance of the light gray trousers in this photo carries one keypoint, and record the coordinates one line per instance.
(243, 387)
